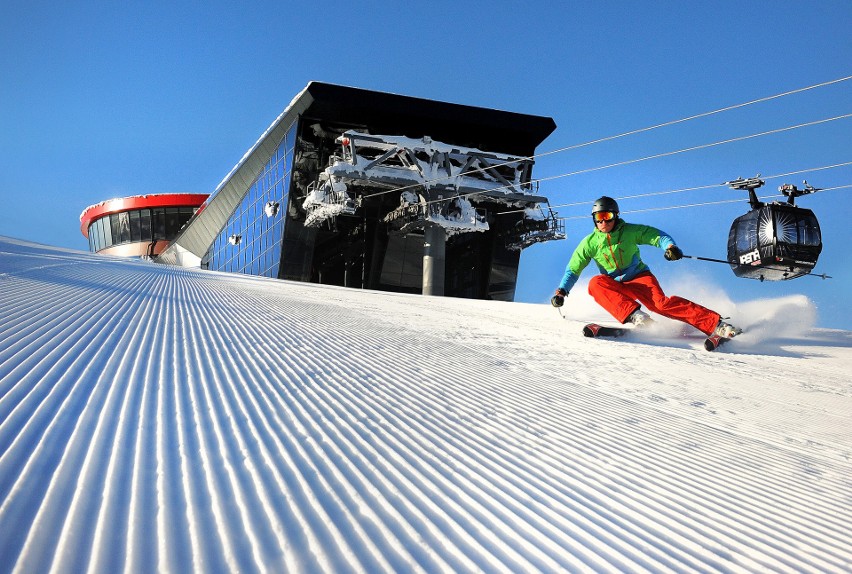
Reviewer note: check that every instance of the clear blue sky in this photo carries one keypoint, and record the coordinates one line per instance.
(108, 99)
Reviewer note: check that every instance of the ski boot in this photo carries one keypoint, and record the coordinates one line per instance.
(640, 319)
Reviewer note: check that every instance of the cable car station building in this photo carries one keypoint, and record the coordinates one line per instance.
(139, 226)
(374, 190)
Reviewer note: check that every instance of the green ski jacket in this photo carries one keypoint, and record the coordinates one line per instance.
(616, 253)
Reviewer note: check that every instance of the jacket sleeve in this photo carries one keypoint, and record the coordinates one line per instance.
(652, 236)
(579, 260)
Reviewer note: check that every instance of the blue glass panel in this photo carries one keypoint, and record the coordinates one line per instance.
(159, 223)
(259, 249)
(172, 221)
(95, 229)
(107, 233)
(124, 227)
(145, 224)
(135, 228)
(115, 235)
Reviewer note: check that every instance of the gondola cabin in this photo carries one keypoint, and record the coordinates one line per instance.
(774, 241)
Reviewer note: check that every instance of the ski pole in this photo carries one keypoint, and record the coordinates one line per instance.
(708, 259)
(820, 275)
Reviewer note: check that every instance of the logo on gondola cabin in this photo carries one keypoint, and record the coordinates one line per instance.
(752, 257)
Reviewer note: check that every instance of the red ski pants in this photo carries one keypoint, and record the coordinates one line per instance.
(620, 298)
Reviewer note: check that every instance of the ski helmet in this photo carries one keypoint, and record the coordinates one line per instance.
(605, 204)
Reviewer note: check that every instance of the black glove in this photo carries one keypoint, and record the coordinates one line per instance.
(673, 253)
(559, 299)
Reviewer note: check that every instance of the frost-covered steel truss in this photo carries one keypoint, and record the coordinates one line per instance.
(436, 182)
(455, 215)
(537, 226)
(395, 161)
(327, 199)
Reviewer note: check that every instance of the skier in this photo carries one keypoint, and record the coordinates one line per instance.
(625, 282)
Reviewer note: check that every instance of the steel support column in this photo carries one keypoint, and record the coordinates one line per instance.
(434, 259)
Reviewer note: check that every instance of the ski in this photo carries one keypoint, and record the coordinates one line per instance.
(595, 330)
(711, 343)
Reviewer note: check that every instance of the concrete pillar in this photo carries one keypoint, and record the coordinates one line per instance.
(434, 259)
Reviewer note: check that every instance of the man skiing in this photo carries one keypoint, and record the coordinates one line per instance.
(625, 282)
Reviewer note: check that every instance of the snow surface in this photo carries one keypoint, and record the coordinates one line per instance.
(157, 418)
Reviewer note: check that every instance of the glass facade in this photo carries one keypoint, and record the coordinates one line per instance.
(270, 228)
(251, 240)
(138, 225)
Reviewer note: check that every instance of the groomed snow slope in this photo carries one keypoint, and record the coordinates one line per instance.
(154, 418)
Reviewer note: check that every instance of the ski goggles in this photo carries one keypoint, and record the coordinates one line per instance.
(601, 216)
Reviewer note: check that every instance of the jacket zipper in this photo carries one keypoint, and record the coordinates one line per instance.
(611, 251)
